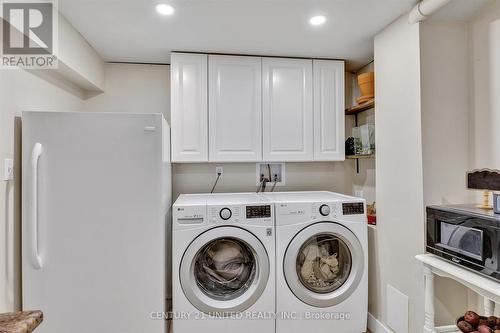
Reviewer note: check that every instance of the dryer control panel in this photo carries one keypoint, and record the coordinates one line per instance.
(353, 208)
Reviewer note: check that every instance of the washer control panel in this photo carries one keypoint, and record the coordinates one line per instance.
(258, 212)
(244, 214)
(225, 213)
(324, 210)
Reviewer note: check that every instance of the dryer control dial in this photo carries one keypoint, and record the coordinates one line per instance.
(324, 210)
(225, 213)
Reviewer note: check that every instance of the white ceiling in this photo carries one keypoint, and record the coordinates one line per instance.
(132, 31)
(460, 10)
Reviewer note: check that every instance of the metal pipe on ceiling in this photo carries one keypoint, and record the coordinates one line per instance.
(424, 9)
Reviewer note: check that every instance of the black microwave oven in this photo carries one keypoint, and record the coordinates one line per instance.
(467, 236)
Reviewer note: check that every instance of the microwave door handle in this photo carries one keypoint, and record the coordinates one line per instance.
(35, 157)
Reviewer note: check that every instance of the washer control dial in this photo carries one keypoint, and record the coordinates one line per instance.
(225, 213)
(324, 210)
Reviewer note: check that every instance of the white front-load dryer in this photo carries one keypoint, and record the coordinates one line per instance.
(223, 264)
(321, 258)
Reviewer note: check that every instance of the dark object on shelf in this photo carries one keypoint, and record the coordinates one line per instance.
(350, 146)
(472, 322)
(20, 322)
(484, 179)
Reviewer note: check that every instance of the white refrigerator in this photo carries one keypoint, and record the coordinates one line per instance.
(96, 206)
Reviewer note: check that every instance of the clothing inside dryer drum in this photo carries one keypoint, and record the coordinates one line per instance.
(323, 263)
(225, 268)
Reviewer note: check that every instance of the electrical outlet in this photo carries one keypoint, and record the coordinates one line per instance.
(359, 193)
(8, 169)
(219, 170)
(276, 170)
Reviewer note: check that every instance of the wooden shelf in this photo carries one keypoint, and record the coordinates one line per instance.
(355, 157)
(360, 108)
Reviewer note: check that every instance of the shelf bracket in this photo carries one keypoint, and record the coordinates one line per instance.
(357, 160)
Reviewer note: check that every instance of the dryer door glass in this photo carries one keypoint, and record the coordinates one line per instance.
(225, 268)
(323, 263)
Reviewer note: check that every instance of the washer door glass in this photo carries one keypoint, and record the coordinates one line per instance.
(225, 268)
(323, 263)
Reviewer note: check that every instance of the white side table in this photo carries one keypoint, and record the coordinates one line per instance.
(485, 287)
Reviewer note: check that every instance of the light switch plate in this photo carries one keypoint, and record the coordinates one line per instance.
(8, 169)
(359, 193)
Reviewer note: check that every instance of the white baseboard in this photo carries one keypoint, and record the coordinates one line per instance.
(376, 326)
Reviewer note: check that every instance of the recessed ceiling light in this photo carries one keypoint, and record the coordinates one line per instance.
(165, 9)
(317, 20)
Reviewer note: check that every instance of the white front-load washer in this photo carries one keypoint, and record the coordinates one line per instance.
(223, 264)
(321, 258)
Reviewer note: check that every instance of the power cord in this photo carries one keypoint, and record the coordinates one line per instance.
(275, 181)
(216, 181)
(262, 184)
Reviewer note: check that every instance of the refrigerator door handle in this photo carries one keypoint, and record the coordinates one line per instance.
(35, 156)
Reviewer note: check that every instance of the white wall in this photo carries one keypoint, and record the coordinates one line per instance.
(445, 86)
(241, 177)
(21, 91)
(399, 234)
(133, 88)
(78, 61)
(484, 31)
(485, 118)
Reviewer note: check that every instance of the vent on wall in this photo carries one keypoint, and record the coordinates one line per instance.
(397, 310)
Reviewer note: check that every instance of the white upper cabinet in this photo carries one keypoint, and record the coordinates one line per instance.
(287, 109)
(249, 109)
(189, 107)
(235, 109)
(329, 115)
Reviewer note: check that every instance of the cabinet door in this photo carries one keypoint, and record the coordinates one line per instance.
(329, 115)
(235, 110)
(189, 107)
(287, 109)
